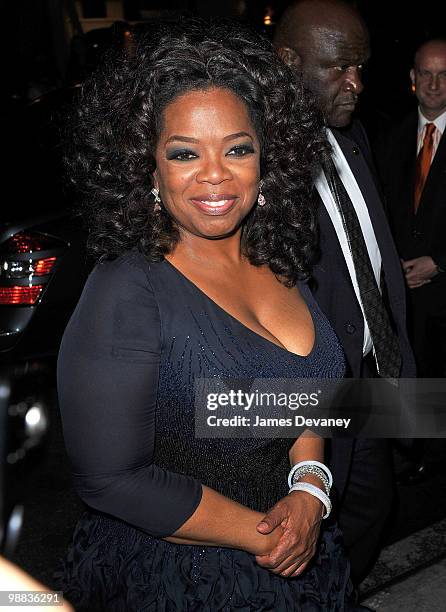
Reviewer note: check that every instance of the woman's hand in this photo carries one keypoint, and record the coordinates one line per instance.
(299, 516)
(263, 544)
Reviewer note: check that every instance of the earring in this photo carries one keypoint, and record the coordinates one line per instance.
(413, 88)
(156, 195)
(261, 198)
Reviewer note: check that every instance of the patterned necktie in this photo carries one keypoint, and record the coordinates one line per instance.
(385, 342)
(423, 163)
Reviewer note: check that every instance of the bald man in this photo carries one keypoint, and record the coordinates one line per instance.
(413, 167)
(327, 43)
(417, 204)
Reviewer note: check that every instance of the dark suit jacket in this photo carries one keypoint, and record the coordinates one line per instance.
(425, 232)
(333, 288)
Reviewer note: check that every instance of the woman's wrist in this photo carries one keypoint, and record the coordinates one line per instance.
(255, 542)
(314, 478)
(262, 544)
(312, 501)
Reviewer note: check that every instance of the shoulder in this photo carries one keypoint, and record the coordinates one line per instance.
(356, 133)
(352, 138)
(129, 268)
(118, 302)
(129, 276)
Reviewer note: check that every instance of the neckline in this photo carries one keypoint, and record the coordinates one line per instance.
(242, 325)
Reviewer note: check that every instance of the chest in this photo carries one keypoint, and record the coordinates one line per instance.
(265, 306)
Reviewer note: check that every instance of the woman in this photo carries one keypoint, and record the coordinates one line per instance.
(194, 156)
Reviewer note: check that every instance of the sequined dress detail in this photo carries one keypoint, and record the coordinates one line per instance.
(114, 566)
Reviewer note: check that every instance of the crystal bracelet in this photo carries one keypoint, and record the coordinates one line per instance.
(303, 470)
(318, 464)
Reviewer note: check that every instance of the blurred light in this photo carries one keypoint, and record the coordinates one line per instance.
(4, 391)
(44, 266)
(13, 269)
(28, 242)
(19, 261)
(268, 18)
(33, 416)
(20, 295)
(36, 424)
(22, 243)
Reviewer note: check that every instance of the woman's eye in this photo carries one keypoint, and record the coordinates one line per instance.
(241, 150)
(181, 155)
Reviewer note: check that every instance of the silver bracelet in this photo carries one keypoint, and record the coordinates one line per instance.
(312, 490)
(303, 470)
(318, 464)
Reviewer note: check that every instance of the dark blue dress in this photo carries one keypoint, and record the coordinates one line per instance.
(139, 337)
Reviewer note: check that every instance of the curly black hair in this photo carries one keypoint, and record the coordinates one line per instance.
(118, 121)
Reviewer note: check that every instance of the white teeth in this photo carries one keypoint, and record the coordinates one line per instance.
(214, 204)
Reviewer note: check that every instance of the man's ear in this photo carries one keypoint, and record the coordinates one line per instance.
(289, 56)
(412, 76)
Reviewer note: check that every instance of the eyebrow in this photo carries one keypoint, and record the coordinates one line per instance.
(237, 135)
(179, 138)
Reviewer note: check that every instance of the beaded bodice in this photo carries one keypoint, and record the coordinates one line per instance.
(200, 339)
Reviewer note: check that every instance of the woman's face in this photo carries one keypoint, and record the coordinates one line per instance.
(207, 162)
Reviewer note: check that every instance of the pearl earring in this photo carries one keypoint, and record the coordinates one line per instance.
(261, 198)
(156, 195)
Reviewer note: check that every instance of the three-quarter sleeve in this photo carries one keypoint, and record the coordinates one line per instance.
(107, 383)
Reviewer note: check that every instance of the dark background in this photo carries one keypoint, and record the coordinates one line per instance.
(36, 49)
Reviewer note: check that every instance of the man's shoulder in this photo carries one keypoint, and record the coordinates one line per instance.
(353, 138)
(352, 130)
(353, 133)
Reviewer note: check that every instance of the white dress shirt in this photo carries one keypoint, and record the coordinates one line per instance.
(440, 124)
(350, 184)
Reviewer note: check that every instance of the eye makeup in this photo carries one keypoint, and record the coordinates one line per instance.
(180, 154)
(241, 150)
(183, 154)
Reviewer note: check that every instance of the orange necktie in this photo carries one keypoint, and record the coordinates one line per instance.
(423, 163)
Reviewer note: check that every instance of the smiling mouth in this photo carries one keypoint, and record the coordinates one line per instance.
(213, 206)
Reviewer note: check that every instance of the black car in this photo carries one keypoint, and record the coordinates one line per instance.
(43, 267)
(43, 262)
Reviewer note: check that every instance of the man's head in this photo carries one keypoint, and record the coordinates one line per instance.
(429, 78)
(327, 41)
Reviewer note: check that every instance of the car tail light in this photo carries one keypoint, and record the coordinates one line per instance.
(24, 243)
(27, 260)
(44, 266)
(20, 295)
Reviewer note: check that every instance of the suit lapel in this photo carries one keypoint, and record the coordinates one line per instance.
(331, 237)
(368, 187)
(408, 156)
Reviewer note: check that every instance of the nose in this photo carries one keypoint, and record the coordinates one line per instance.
(213, 169)
(353, 80)
(433, 82)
